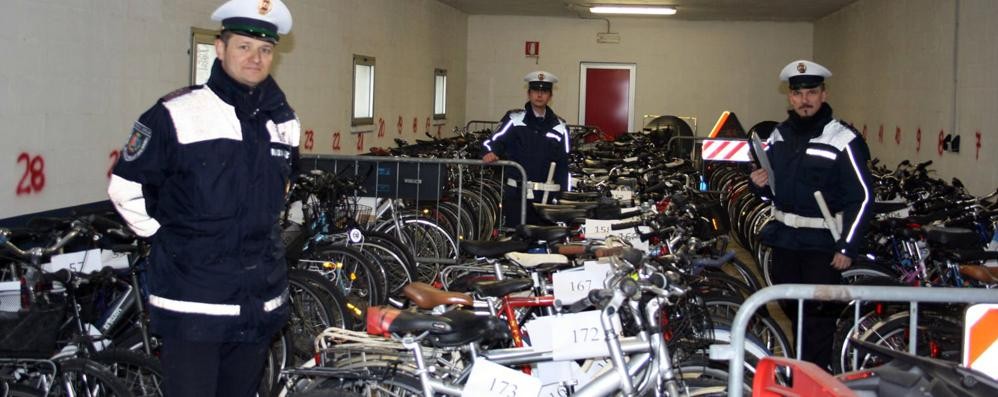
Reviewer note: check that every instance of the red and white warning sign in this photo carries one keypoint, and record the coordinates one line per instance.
(980, 339)
(725, 150)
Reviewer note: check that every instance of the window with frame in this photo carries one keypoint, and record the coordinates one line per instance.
(439, 94)
(363, 90)
(202, 54)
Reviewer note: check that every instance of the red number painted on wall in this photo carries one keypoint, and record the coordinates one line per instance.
(399, 125)
(381, 127)
(360, 142)
(897, 135)
(440, 130)
(942, 143)
(415, 125)
(33, 178)
(115, 154)
(880, 134)
(427, 125)
(309, 140)
(864, 132)
(918, 140)
(336, 141)
(978, 155)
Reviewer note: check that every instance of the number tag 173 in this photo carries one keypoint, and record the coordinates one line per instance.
(494, 380)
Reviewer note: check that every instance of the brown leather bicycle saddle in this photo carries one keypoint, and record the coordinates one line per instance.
(425, 296)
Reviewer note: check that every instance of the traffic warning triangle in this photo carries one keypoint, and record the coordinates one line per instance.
(728, 126)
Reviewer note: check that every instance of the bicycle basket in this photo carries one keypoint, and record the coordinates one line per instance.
(34, 330)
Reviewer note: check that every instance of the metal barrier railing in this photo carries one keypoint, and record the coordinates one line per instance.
(478, 125)
(420, 179)
(735, 352)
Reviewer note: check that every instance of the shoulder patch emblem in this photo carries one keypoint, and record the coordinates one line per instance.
(137, 142)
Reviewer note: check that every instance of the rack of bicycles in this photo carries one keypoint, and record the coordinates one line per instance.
(397, 291)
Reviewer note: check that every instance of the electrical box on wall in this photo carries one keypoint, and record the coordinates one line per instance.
(608, 38)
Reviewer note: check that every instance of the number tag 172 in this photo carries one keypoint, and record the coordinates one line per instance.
(580, 335)
(494, 380)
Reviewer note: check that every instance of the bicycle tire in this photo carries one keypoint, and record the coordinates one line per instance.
(80, 376)
(143, 375)
(356, 277)
(311, 311)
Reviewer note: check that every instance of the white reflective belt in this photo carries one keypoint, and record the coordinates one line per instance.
(213, 309)
(797, 221)
(544, 187)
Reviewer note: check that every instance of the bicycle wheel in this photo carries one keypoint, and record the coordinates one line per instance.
(761, 327)
(353, 275)
(939, 337)
(311, 312)
(143, 375)
(278, 358)
(82, 377)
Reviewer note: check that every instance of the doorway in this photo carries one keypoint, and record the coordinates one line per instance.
(606, 97)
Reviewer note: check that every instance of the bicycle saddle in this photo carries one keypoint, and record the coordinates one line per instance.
(492, 249)
(425, 296)
(535, 261)
(384, 320)
(566, 215)
(951, 237)
(466, 327)
(545, 233)
(501, 288)
(585, 205)
(580, 196)
(980, 273)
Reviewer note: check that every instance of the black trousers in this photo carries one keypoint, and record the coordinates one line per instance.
(511, 209)
(810, 267)
(201, 369)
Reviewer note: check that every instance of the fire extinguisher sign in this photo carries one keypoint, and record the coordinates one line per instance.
(532, 48)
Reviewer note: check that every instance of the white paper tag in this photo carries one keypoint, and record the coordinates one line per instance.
(630, 159)
(491, 379)
(596, 228)
(622, 195)
(573, 285)
(580, 335)
(601, 229)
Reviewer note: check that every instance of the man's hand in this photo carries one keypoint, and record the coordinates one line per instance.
(760, 177)
(490, 157)
(841, 262)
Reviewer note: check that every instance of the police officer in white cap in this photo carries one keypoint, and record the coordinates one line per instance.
(537, 139)
(813, 152)
(203, 176)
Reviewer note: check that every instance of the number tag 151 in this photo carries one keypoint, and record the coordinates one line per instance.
(494, 380)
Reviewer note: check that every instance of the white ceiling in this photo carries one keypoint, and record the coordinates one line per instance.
(741, 10)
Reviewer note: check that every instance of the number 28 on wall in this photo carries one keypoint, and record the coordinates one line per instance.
(33, 178)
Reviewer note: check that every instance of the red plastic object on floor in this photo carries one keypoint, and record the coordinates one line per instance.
(808, 380)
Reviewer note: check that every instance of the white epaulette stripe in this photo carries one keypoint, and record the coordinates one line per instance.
(200, 116)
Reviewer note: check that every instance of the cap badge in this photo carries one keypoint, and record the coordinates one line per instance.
(801, 67)
(540, 76)
(264, 7)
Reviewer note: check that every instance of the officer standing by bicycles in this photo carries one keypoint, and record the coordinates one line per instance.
(535, 137)
(204, 175)
(812, 152)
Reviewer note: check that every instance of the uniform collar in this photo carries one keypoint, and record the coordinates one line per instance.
(265, 96)
(813, 125)
(549, 120)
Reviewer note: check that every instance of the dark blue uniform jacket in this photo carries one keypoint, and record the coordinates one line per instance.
(818, 153)
(533, 143)
(204, 174)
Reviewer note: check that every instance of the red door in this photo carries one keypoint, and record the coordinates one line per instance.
(607, 99)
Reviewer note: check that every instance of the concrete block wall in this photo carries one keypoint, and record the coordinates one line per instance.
(918, 65)
(77, 73)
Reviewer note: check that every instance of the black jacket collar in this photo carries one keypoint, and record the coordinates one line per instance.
(266, 96)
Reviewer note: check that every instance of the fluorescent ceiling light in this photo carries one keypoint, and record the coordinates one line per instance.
(633, 10)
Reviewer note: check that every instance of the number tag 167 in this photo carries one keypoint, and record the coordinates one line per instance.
(494, 380)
